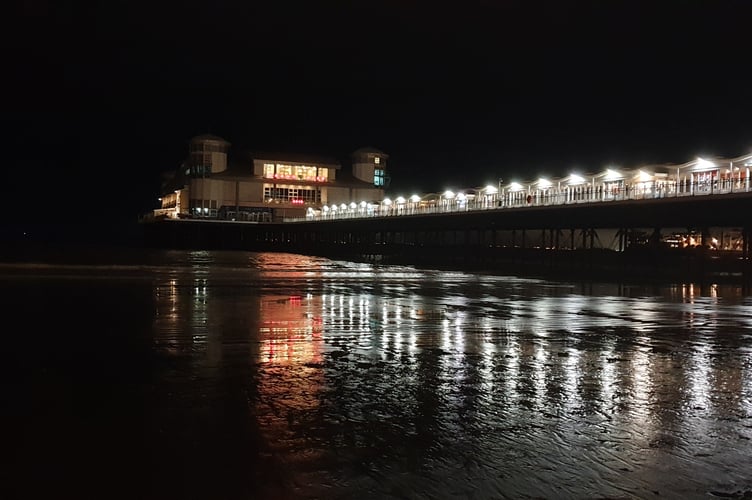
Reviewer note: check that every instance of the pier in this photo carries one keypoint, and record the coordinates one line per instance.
(703, 234)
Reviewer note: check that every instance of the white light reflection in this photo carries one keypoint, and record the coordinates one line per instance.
(642, 384)
(644, 311)
(488, 353)
(699, 375)
(571, 383)
(446, 336)
(746, 388)
(608, 371)
(512, 355)
(539, 372)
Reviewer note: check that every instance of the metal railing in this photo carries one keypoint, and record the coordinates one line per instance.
(531, 197)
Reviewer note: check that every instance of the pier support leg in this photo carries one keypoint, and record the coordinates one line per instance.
(655, 237)
(746, 257)
(706, 237)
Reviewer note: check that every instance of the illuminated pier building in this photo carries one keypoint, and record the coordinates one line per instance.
(264, 187)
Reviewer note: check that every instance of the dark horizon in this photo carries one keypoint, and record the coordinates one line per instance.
(106, 98)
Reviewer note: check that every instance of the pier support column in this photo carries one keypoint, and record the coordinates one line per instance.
(706, 237)
(746, 257)
(655, 237)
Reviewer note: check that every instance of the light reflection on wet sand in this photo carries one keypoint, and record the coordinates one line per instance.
(307, 378)
(383, 382)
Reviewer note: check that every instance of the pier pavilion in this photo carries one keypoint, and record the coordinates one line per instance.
(215, 183)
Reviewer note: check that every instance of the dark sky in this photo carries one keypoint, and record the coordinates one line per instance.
(105, 95)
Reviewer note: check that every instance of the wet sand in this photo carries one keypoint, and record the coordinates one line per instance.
(238, 375)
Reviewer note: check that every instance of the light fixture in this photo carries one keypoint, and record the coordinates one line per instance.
(575, 179)
(612, 175)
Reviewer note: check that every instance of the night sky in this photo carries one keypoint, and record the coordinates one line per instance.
(104, 96)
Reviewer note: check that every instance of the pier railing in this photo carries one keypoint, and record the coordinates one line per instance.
(481, 199)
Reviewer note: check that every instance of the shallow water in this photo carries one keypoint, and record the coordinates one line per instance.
(241, 375)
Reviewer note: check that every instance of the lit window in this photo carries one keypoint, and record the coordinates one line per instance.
(378, 177)
(284, 170)
(377, 160)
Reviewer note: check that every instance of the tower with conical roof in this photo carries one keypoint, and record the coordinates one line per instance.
(369, 165)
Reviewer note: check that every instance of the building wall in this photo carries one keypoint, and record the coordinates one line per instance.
(335, 195)
(226, 192)
(368, 195)
(218, 162)
(363, 171)
(250, 192)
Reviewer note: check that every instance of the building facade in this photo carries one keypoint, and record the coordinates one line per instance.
(265, 187)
